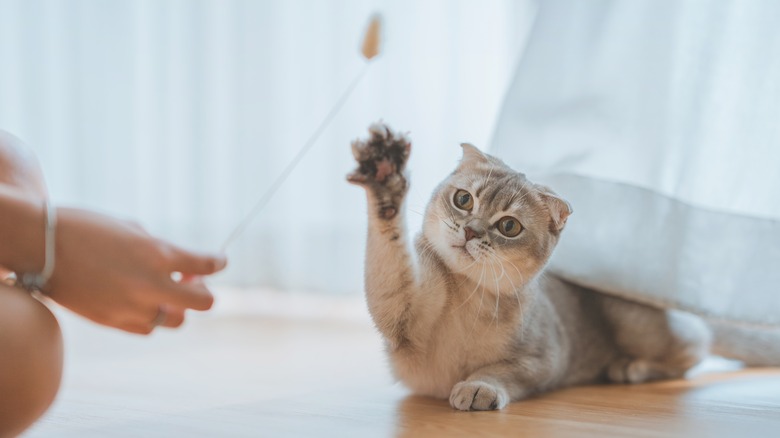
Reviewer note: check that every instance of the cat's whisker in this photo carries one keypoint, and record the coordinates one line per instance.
(481, 298)
(515, 289)
(490, 173)
(431, 213)
(504, 274)
(423, 253)
(501, 265)
(427, 252)
(492, 268)
(519, 273)
(449, 213)
(428, 247)
(444, 221)
(509, 277)
(453, 221)
(468, 267)
(464, 270)
(449, 225)
(478, 286)
(474, 291)
(498, 300)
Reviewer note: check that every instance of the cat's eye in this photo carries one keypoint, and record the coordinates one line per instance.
(463, 200)
(509, 226)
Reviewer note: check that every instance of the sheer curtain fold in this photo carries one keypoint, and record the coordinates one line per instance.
(180, 113)
(658, 121)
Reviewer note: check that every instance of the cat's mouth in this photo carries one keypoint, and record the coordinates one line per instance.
(463, 250)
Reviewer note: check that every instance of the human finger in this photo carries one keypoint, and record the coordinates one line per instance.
(137, 328)
(192, 294)
(189, 262)
(174, 317)
(160, 316)
(143, 319)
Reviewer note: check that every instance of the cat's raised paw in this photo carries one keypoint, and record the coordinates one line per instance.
(478, 396)
(381, 163)
(382, 155)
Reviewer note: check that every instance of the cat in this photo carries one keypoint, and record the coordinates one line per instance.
(469, 314)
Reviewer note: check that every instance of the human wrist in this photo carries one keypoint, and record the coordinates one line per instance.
(37, 280)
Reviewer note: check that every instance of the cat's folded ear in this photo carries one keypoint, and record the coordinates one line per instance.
(560, 209)
(471, 155)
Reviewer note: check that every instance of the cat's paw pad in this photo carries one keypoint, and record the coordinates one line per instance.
(381, 163)
(381, 158)
(478, 396)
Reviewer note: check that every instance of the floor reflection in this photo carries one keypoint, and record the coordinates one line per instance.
(745, 403)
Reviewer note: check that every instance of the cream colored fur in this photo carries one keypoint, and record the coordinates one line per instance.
(470, 315)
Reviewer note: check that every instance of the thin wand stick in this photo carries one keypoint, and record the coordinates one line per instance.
(294, 163)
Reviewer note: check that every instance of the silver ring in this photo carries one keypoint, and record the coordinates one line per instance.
(160, 318)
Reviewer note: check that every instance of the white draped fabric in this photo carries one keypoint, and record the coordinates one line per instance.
(180, 113)
(660, 122)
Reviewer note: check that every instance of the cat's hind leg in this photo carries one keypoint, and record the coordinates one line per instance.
(653, 344)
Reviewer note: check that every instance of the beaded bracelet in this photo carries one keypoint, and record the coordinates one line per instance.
(36, 282)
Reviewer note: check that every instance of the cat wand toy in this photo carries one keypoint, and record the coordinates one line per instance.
(369, 50)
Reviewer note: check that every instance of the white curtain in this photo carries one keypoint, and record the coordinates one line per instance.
(660, 122)
(181, 113)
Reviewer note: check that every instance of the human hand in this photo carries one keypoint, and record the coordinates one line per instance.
(116, 274)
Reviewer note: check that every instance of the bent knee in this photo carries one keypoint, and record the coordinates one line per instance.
(31, 364)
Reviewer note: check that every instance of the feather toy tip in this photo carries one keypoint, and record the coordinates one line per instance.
(372, 40)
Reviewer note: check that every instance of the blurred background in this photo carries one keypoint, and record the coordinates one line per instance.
(180, 114)
(659, 115)
(657, 119)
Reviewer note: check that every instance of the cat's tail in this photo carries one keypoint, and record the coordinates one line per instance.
(754, 346)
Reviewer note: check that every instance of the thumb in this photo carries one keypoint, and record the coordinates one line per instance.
(189, 262)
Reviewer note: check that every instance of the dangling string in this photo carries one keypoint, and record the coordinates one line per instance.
(269, 193)
(369, 49)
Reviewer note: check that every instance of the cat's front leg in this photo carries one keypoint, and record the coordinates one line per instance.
(390, 276)
(476, 395)
(489, 388)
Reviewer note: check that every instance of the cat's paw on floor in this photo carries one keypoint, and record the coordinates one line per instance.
(478, 396)
(381, 162)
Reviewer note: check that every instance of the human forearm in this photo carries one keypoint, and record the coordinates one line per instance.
(108, 270)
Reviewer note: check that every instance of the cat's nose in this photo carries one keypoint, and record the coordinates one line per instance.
(471, 233)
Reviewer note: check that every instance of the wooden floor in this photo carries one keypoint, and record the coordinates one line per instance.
(237, 375)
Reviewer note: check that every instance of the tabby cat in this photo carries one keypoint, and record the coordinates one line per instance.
(469, 314)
